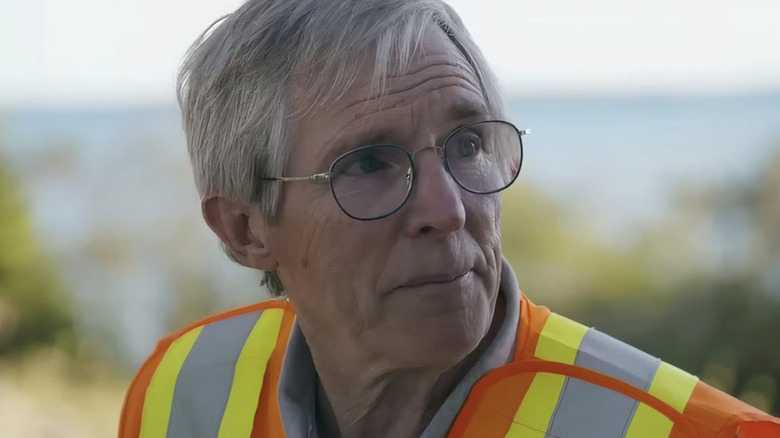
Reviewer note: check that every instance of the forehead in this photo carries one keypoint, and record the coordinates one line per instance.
(437, 82)
(434, 64)
(372, 73)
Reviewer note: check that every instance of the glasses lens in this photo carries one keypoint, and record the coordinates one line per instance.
(484, 157)
(372, 182)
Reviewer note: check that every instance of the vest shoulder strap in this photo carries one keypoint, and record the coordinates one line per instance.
(569, 380)
(208, 378)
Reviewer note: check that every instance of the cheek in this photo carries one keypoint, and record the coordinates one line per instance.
(327, 254)
(302, 237)
(333, 273)
(483, 219)
(483, 224)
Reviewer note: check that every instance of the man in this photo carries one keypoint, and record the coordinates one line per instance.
(354, 151)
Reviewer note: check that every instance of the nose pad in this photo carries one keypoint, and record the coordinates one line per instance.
(437, 150)
(436, 203)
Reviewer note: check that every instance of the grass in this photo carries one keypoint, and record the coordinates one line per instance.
(47, 394)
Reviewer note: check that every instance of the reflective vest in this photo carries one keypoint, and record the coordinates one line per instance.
(219, 378)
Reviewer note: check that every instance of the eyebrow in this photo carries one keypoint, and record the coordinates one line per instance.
(380, 136)
(354, 141)
(467, 109)
(462, 110)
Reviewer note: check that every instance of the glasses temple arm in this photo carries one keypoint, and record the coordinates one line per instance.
(315, 177)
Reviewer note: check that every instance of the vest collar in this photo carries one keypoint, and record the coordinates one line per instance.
(297, 382)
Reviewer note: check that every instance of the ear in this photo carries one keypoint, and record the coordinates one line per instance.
(242, 230)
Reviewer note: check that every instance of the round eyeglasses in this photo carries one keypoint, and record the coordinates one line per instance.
(373, 182)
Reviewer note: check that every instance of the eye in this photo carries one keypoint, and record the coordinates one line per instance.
(365, 163)
(379, 160)
(465, 144)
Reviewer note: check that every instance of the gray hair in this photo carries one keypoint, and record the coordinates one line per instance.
(239, 86)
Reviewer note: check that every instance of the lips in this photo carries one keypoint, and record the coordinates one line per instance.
(440, 278)
(434, 279)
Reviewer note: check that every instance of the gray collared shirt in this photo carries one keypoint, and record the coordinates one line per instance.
(297, 382)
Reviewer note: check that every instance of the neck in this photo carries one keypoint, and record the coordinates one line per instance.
(355, 399)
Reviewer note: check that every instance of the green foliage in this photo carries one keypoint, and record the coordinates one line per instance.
(33, 311)
(700, 290)
(557, 257)
(723, 331)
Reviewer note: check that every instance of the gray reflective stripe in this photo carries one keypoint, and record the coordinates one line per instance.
(587, 410)
(205, 379)
(607, 355)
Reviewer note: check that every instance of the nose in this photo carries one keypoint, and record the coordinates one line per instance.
(435, 205)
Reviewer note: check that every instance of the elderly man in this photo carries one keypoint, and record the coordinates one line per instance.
(354, 151)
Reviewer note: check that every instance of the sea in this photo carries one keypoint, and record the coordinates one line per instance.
(122, 174)
(617, 157)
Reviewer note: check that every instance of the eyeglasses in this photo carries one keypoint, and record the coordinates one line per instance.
(373, 182)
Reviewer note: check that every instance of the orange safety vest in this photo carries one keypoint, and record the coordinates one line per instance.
(219, 378)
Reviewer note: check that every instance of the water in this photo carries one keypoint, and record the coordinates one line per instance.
(618, 158)
(621, 159)
(120, 178)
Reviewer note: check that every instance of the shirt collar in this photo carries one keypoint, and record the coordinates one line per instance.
(296, 390)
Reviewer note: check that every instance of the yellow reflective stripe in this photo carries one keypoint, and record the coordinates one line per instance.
(649, 423)
(240, 410)
(159, 395)
(533, 416)
(672, 386)
(560, 339)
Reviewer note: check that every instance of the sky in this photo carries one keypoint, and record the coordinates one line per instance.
(117, 52)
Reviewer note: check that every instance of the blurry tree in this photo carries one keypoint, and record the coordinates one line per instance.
(716, 311)
(33, 310)
(557, 257)
(757, 202)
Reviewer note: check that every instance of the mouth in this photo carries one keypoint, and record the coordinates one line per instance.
(436, 281)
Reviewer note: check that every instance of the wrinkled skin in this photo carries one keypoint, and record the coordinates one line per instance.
(390, 334)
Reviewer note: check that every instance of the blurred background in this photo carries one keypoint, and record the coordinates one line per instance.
(648, 206)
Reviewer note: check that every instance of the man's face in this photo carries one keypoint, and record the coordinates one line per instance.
(414, 289)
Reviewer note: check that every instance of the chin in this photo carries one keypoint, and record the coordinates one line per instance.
(436, 330)
(445, 340)
(452, 352)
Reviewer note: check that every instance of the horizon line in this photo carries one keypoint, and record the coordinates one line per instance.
(157, 104)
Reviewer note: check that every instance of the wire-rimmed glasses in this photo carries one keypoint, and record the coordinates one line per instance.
(375, 181)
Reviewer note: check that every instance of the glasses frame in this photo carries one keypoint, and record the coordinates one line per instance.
(328, 176)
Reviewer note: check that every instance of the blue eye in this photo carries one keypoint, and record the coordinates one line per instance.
(365, 163)
(370, 164)
(466, 144)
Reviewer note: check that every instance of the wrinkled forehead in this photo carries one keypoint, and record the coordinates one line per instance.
(378, 71)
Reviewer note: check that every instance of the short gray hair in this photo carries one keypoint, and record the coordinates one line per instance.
(237, 83)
